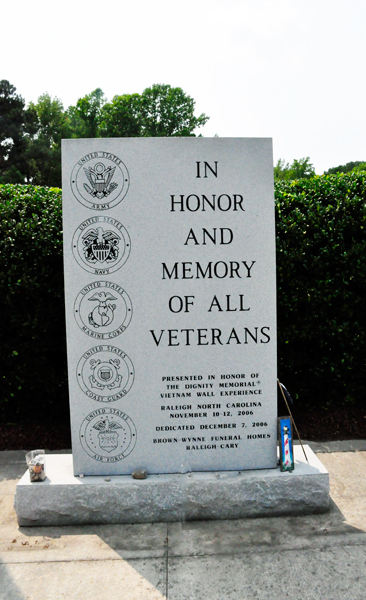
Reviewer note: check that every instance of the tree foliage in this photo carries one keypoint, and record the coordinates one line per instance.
(86, 115)
(160, 111)
(50, 125)
(121, 117)
(355, 167)
(299, 169)
(30, 138)
(167, 111)
(13, 140)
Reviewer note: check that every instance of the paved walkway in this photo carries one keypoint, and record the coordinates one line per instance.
(303, 558)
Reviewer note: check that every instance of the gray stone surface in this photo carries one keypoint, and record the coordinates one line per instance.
(335, 573)
(64, 499)
(114, 579)
(189, 382)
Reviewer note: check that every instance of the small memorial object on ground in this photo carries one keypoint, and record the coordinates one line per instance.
(286, 395)
(286, 445)
(139, 474)
(36, 460)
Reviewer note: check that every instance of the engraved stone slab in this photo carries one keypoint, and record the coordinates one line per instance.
(169, 251)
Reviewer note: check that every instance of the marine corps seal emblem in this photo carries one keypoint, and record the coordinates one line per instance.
(108, 435)
(100, 180)
(103, 310)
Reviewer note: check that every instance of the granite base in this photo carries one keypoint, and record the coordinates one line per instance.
(63, 499)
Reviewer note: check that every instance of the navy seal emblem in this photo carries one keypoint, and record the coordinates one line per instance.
(100, 180)
(103, 310)
(105, 373)
(108, 435)
(101, 245)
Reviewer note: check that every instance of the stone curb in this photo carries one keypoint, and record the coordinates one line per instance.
(337, 446)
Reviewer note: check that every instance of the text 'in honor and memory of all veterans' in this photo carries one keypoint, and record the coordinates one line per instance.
(169, 252)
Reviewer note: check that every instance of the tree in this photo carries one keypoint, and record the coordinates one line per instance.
(350, 166)
(30, 138)
(85, 116)
(160, 110)
(13, 143)
(168, 111)
(50, 126)
(299, 169)
(281, 169)
(121, 117)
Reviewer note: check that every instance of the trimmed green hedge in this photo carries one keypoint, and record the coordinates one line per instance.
(321, 278)
(33, 382)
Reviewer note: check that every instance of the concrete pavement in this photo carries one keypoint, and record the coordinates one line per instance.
(308, 558)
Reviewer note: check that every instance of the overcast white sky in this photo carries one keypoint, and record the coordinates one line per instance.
(293, 70)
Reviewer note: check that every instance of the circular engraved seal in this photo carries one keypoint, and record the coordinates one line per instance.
(100, 180)
(101, 245)
(103, 310)
(108, 435)
(105, 373)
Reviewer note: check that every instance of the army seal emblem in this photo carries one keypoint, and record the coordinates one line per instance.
(100, 180)
(103, 310)
(105, 373)
(101, 245)
(108, 435)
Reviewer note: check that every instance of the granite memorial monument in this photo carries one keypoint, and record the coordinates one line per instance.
(170, 289)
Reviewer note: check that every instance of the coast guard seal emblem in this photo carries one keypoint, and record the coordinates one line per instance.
(100, 180)
(103, 310)
(108, 435)
(105, 373)
(101, 245)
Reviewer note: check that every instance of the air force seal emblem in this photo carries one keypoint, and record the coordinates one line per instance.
(100, 180)
(108, 435)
